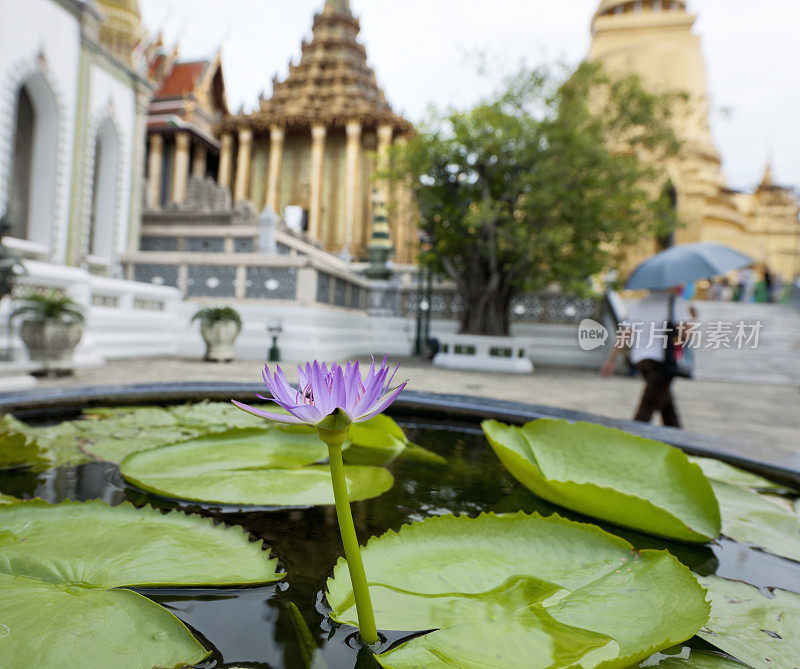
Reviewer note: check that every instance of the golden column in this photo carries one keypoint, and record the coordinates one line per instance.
(385, 136)
(154, 163)
(242, 164)
(318, 133)
(276, 137)
(199, 160)
(180, 167)
(225, 161)
(404, 228)
(352, 159)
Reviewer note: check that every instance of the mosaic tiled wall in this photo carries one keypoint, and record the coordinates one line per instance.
(531, 308)
(161, 275)
(211, 281)
(153, 243)
(271, 283)
(204, 244)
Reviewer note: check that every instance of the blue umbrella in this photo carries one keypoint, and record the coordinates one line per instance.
(686, 263)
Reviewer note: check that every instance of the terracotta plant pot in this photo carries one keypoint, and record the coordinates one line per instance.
(219, 337)
(51, 344)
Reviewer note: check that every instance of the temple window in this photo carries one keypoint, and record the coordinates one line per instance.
(33, 174)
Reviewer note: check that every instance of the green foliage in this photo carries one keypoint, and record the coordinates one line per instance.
(753, 628)
(501, 588)
(62, 567)
(52, 306)
(608, 474)
(380, 440)
(8, 499)
(540, 185)
(17, 449)
(211, 315)
(751, 518)
(690, 658)
(722, 471)
(252, 466)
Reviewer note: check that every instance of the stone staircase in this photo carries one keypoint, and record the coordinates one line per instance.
(776, 360)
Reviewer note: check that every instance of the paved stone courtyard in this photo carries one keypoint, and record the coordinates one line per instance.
(765, 416)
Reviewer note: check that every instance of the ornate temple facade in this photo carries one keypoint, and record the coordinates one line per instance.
(188, 104)
(317, 143)
(72, 130)
(654, 39)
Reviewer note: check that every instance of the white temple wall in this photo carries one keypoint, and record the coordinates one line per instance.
(42, 37)
(110, 99)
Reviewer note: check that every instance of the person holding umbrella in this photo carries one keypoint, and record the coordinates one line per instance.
(646, 330)
(655, 325)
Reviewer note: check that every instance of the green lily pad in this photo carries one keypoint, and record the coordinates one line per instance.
(380, 440)
(62, 567)
(252, 466)
(684, 656)
(753, 628)
(751, 518)
(521, 591)
(19, 450)
(216, 415)
(722, 471)
(609, 474)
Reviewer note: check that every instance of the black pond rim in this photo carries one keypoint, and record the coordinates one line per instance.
(58, 403)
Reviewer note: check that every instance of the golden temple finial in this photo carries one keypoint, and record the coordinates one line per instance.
(337, 6)
(767, 179)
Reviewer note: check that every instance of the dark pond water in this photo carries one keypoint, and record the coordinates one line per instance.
(260, 627)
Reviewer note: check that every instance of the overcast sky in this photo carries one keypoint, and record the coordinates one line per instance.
(426, 51)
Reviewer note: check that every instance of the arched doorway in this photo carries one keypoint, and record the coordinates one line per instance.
(103, 216)
(31, 202)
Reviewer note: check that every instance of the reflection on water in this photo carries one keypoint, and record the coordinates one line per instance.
(261, 627)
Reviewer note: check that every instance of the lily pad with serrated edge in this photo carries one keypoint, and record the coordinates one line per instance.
(611, 475)
(521, 591)
(758, 630)
(249, 466)
(64, 570)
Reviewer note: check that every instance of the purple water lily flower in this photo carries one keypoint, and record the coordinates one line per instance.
(329, 398)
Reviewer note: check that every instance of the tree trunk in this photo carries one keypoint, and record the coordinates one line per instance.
(485, 306)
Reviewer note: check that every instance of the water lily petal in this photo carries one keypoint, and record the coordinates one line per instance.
(280, 417)
(322, 394)
(287, 393)
(383, 403)
(339, 389)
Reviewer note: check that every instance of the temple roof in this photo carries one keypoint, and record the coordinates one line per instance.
(331, 85)
(182, 79)
(612, 6)
(190, 95)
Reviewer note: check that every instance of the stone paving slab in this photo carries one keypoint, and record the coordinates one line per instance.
(765, 417)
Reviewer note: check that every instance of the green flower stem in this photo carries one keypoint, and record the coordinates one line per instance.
(358, 578)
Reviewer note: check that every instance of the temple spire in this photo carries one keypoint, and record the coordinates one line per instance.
(767, 180)
(337, 6)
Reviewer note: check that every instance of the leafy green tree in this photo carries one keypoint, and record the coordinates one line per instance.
(542, 185)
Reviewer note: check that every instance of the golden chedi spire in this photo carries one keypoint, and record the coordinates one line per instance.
(121, 30)
(333, 83)
(609, 7)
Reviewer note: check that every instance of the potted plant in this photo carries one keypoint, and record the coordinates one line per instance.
(51, 329)
(220, 326)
